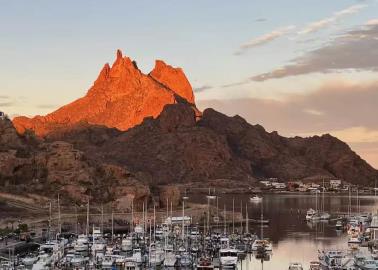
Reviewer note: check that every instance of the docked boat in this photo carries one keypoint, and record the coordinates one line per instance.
(331, 259)
(354, 240)
(170, 260)
(314, 265)
(262, 245)
(127, 245)
(255, 198)
(228, 258)
(295, 266)
(339, 225)
(186, 260)
(29, 260)
(364, 262)
(205, 263)
(43, 262)
(310, 213)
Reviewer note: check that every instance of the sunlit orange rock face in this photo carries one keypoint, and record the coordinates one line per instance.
(121, 97)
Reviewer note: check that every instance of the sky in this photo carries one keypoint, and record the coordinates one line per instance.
(299, 67)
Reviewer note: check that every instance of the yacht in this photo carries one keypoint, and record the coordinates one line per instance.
(228, 258)
(82, 244)
(127, 245)
(43, 262)
(186, 260)
(170, 260)
(314, 265)
(363, 262)
(107, 262)
(331, 259)
(295, 266)
(262, 245)
(205, 263)
(29, 260)
(255, 198)
(339, 225)
(78, 261)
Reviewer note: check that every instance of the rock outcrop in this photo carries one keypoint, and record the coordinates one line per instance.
(121, 97)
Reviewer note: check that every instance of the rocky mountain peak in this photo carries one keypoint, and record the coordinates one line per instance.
(121, 97)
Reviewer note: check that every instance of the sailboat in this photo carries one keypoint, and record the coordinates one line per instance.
(324, 215)
(211, 196)
(262, 245)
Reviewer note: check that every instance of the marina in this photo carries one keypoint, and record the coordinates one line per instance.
(273, 233)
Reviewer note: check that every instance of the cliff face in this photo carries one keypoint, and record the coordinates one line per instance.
(174, 148)
(121, 97)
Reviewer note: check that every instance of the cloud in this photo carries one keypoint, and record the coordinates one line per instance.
(372, 22)
(266, 38)
(326, 22)
(356, 49)
(6, 104)
(261, 20)
(47, 106)
(202, 88)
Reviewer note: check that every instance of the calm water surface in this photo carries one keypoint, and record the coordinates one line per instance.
(294, 240)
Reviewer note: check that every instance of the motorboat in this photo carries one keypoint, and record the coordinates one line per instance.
(256, 199)
(331, 259)
(354, 239)
(310, 213)
(205, 263)
(339, 225)
(107, 262)
(127, 245)
(186, 260)
(295, 266)
(228, 258)
(325, 216)
(314, 265)
(82, 243)
(29, 260)
(364, 262)
(170, 260)
(262, 245)
(43, 262)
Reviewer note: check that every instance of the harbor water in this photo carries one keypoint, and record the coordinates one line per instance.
(294, 239)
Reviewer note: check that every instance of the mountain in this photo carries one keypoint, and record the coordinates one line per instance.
(121, 97)
(175, 148)
(134, 137)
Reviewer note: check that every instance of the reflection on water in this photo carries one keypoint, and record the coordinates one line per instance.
(294, 240)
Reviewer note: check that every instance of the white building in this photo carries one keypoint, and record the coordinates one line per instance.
(278, 185)
(335, 183)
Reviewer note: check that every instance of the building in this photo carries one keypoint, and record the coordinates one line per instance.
(2, 115)
(335, 183)
(278, 185)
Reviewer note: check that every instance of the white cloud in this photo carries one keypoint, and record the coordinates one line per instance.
(372, 22)
(266, 38)
(323, 23)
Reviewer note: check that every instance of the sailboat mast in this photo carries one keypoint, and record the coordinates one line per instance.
(233, 215)
(59, 220)
(87, 228)
(246, 219)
